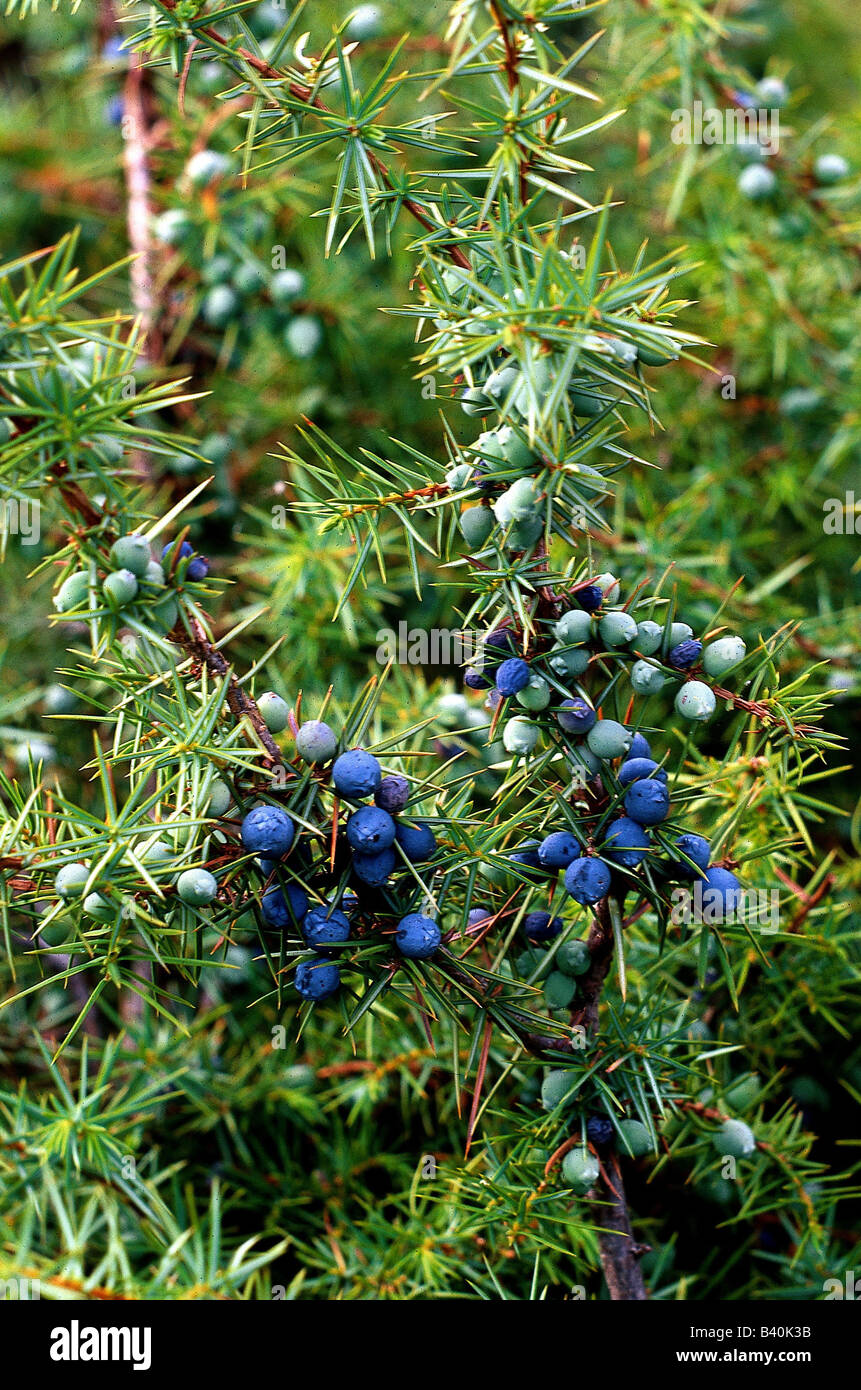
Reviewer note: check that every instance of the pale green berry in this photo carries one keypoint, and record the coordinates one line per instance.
(59, 700)
(37, 749)
(156, 852)
(524, 534)
(316, 742)
(608, 739)
(571, 661)
(650, 635)
(695, 701)
(647, 678)
(679, 632)
(121, 587)
(519, 736)
(517, 503)
(70, 880)
(131, 553)
(286, 285)
(500, 383)
(721, 656)
(100, 908)
(172, 226)
(559, 990)
(557, 1087)
(580, 1171)
(634, 1138)
(617, 628)
(476, 525)
(582, 759)
(534, 696)
(274, 710)
(574, 627)
(303, 335)
(573, 958)
(205, 166)
(452, 710)
(831, 168)
(757, 182)
(154, 574)
(220, 798)
(609, 586)
(197, 887)
(735, 1138)
(166, 613)
(72, 593)
(514, 450)
(772, 91)
(459, 476)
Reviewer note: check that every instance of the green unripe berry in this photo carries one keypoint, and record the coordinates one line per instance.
(574, 627)
(120, 587)
(303, 335)
(573, 958)
(131, 553)
(743, 1092)
(286, 285)
(473, 401)
(100, 908)
(584, 404)
(154, 574)
(679, 632)
(155, 852)
(172, 226)
(217, 269)
(757, 182)
(197, 887)
(73, 591)
(583, 759)
(568, 661)
(721, 656)
(459, 476)
(220, 798)
(608, 739)
(274, 710)
(649, 637)
(519, 736)
(634, 1138)
(219, 306)
(70, 880)
(452, 710)
(166, 613)
(536, 695)
(609, 586)
(617, 629)
(580, 1171)
(524, 534)
(476, 525)
(647, 678)
(559, 990)
(695, 701)
(558, 1087)
(658, 354)
(517, 503)
(735, 1138)
(59, 700)
(830, 168)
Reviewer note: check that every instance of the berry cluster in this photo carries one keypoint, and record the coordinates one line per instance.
(758, 180)
(241, 292)
(132, 585)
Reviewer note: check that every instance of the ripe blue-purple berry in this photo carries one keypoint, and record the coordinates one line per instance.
(356, 774)
(576, 716)
(540, 926)
(587, 880)
(633, 769)
(283, 907)
(267, 830)
(559, 849)
(719, 893)
(417, 841)
(325, 926)
(417, 936)
(684, 654)
(370, 830)
(393, 793)
(627, 842)
(695, 848)
(599, 1131)
(475, 680)
(590, 597)
(647, 801)
(374, 869)
(512, 675)
(317, 979)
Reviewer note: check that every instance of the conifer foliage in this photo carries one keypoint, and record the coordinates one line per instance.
(307, 954)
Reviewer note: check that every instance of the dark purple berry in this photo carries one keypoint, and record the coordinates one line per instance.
(685, 654)
(590, 597)
(599, 1131)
